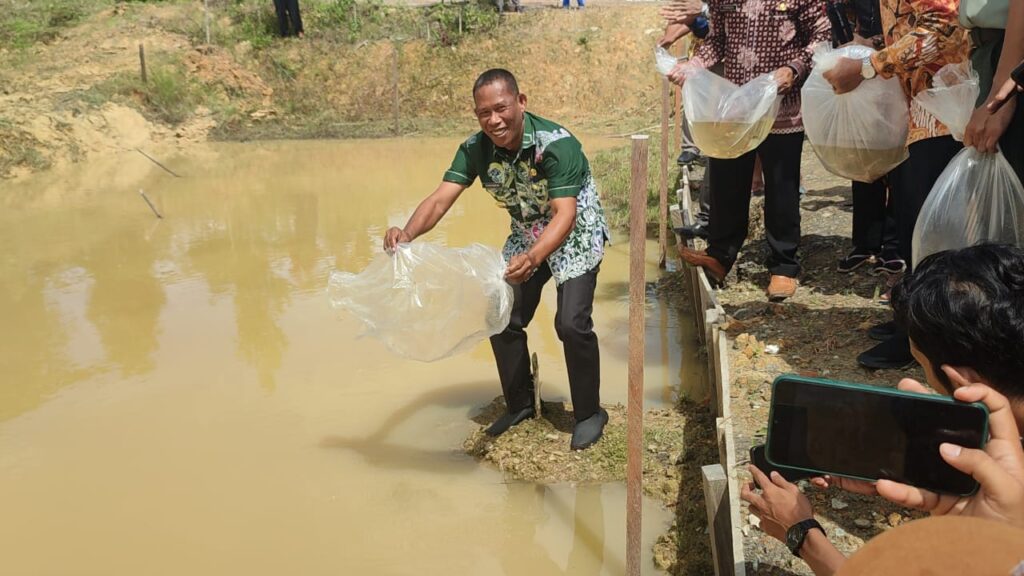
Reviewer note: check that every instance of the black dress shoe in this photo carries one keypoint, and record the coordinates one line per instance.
(508, 420)
(589, 431)
(690, 232)
(883, 331)
(689, 156)
(894, 353)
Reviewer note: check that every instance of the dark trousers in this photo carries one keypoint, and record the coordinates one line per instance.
(730, 203)
(874, 218)
(574, 328)
(913, 180)
(288, 9)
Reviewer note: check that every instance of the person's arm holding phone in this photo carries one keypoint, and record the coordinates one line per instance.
(998, 468)
(780, 506)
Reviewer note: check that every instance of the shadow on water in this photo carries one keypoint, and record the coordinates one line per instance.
(525, 504)
(378, 451)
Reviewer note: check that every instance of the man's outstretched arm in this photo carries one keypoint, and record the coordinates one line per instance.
(427, 215)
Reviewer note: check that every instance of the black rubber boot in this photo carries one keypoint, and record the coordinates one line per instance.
(894, 353)
(508, 420)
(589, 431)
(883, 331)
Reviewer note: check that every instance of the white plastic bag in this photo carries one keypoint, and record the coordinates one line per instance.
(428, 302)
(727, 120)
(860, 135)
(664, 61)
(978, 197)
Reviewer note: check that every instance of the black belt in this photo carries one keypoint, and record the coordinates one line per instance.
(981, 36)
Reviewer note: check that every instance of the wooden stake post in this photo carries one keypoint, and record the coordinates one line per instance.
(663, 180)
(206, 19)
(635, 408)
(394, 87)
(142, 63)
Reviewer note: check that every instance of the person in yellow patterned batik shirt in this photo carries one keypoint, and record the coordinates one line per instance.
(921, 36)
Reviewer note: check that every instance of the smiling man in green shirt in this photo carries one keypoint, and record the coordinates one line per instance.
(536, 170)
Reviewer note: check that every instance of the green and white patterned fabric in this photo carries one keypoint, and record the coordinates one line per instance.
(549, 164)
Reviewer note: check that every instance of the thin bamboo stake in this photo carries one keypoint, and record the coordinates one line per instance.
(158, 163)
(150, 204)
(635, 402)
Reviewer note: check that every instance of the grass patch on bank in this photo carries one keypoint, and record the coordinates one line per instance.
(24, 23)
(611, 169)
(169, 95)
(348, 22)
(19, 149)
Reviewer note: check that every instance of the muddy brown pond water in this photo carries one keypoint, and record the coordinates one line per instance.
(179, 398)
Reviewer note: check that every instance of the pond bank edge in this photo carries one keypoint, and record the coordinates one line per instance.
(721, 485)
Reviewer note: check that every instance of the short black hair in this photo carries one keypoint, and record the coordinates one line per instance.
(497, 75)
(966, 308)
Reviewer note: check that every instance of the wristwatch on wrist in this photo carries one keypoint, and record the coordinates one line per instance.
(797, 533)
(866, 69)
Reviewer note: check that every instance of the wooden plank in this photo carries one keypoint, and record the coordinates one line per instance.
(635, 398)
(716, 483)
(663, 176)
(723, 373)
(714, 370)
(738, 561)
(675, 216)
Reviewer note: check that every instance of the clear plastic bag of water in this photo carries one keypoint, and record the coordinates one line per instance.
(727, 120)
(862, 134)
(978, 198)
(427, 302)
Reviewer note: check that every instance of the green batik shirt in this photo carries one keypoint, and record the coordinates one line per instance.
(549, 164)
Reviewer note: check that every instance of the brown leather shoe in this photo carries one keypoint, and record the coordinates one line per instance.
(781, 287)
(714, 269)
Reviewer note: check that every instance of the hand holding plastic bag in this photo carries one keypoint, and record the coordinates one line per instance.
(726, 120)
(664, 61)
(978, 197)
(428, 302)
(860, 135)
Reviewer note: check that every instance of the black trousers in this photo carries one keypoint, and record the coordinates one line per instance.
(730, 203)
(913, 180)
(575, 329)
(288, 9)
(874, 217)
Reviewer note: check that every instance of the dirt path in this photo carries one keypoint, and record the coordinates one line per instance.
(819, 333)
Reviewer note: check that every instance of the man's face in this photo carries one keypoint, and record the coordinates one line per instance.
(500, 114)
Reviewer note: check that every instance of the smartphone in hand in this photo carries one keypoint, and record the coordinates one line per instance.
(757, 458)
(871, 433)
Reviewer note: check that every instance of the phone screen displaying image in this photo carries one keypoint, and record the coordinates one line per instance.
(871, 433)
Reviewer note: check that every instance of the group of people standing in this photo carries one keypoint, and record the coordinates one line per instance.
(913, 39)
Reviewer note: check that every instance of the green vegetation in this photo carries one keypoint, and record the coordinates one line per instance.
(19, 149)
(169, 95)
(25, 23)
(352, 21)
(611, 170)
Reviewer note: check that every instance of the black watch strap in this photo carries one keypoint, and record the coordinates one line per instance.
(797, 533)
